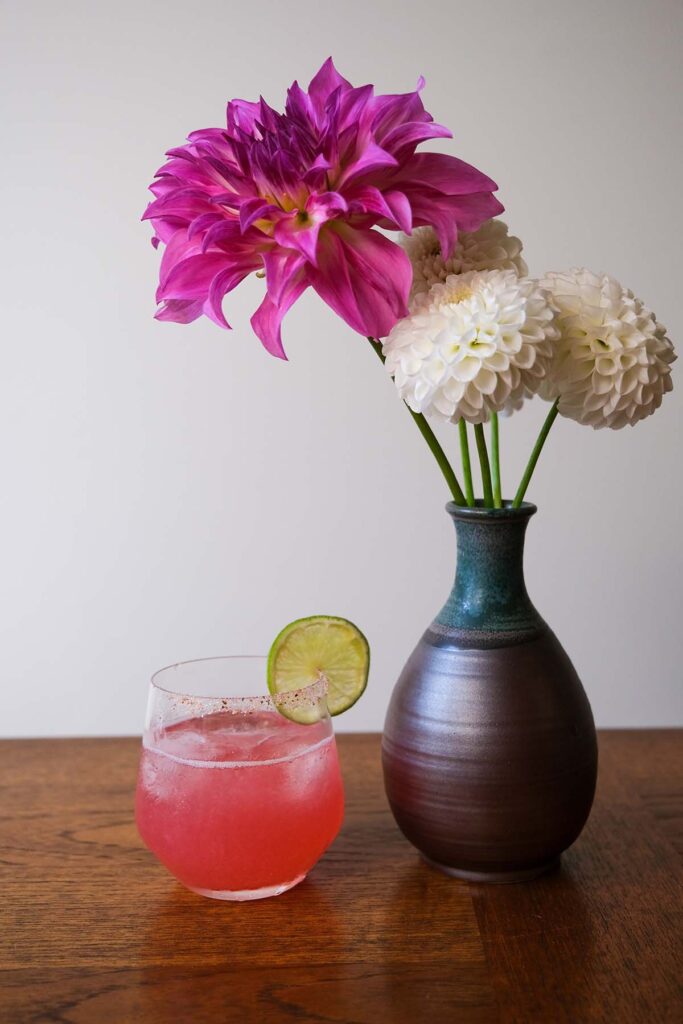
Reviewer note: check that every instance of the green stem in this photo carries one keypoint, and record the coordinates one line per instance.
(495, 462)
(538, 448)
(466, 464)
(484, 463)
(440, 456)
(433, 442)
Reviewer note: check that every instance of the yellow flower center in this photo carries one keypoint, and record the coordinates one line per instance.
(460, 292)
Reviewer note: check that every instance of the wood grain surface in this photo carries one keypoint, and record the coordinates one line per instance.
(92, 929)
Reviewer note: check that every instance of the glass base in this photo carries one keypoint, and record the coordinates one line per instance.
(242, 895)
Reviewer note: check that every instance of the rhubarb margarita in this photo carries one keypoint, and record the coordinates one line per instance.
(236, 797)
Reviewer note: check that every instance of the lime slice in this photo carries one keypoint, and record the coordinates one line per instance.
(321, 645)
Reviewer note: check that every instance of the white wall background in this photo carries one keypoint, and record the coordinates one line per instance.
(171, 492)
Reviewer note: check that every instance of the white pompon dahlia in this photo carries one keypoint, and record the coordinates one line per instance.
(489, 248)
(480, 342)
(612, 363)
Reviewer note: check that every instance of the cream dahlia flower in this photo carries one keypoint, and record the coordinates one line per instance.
(612, 363)
(480, 342)
(489, 248)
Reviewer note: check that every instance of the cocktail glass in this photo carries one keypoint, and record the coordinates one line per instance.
(238, 796)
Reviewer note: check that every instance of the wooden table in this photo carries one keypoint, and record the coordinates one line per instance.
(94, 930)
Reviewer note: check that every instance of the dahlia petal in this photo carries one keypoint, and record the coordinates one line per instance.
(201, 135)
(394, 109)
(268, 118)
(203, 222)
(222, 233)
(324, 82)
(351, 105)
(364, 277)
(220, 170)
(267, 319)
(448, 214)
(298, 105)
(178, 248)
(179, 311)
(191, 277)
(327, 203)
(436, 210)
(446, 173)
(223, 283)
(231, 200)
(316, 175)
(166, 227)
(486, 381)
(179, 153)
(213, 305)
(184, 166)
(401, 210)
(333, 282)
(183, 203)
(232, 179)
(290, 234)
(254, 209)
(372, 158)
(242, 114)
(162, 185)
(472, 211)
(390, 209)
(281, 269)
(405, 137)
(368, 199)
(235, 178)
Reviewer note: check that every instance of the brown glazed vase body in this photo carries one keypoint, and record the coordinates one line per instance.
(489, 747)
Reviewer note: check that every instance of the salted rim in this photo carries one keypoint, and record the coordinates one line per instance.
(305, 696)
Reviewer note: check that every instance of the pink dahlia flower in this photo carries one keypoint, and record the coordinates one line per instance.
(299, 196)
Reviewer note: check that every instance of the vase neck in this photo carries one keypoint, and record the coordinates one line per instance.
(489, 604)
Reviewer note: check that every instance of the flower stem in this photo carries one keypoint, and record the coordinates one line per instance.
(466, 464)
(495, 462)
(484, 464)
(440, 456)
(538, 448)
(433, 442)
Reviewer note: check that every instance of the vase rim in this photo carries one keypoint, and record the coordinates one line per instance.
(479, 512)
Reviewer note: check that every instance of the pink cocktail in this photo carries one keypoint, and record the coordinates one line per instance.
(235, 797)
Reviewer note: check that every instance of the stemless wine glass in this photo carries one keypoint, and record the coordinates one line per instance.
(238, 796)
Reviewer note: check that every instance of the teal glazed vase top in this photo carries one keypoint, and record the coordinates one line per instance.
(489, 748)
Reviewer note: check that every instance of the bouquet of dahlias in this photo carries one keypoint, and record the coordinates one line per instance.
(305, 198)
